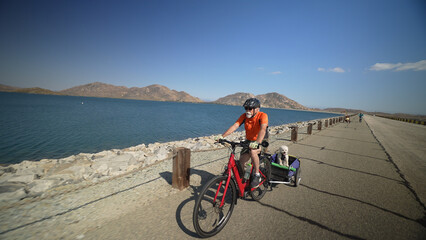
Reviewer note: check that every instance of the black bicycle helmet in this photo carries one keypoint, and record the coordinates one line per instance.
(252, 103)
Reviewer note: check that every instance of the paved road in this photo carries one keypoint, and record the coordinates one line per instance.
(353, 187)
(406, 145)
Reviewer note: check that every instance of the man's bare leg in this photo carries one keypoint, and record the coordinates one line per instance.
(255, 159)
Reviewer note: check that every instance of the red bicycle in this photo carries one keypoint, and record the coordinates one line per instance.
(218, 197)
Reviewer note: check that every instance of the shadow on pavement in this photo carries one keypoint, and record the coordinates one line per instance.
(195, 190)
(349, 139)
(350, 169)
(420, 221)
(77, 207)
(283, 139)
(310, 221)
(334, 150)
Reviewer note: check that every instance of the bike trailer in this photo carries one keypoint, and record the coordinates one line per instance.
(286, 175)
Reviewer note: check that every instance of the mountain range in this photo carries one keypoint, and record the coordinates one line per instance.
(158, 93)
(270, 100)
(161, 93)
(153, 92)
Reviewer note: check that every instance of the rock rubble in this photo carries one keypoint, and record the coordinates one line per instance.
(34, 178)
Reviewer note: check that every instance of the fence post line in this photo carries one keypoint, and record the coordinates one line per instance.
(319, 125)
(294, 130)
(181, 167)
(309, 128)
(326, 123)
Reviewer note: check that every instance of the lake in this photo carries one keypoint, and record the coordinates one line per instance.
(34, 127)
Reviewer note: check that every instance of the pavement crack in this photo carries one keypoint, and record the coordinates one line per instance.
(406, 183)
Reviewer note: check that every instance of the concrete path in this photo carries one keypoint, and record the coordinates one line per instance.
(353, 187)
(405, 143)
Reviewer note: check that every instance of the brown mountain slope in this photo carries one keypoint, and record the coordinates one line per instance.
(34, 90)
(153, 92)
(270, 100)
(5, 88)
(234, 99)
(37, 90)
(96, 89)
(276, 100)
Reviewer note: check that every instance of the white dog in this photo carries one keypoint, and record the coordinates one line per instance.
(283, 155)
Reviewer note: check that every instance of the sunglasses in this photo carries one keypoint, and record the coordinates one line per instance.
(249, 108)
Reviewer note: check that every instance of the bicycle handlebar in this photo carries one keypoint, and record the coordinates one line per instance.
(242, 143)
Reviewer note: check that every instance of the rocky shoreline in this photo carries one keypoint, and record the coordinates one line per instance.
(32, 179)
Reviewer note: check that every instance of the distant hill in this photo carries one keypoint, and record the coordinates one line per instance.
(276, 100)
(270, 100)
(37, 90)
(400, 115)
(343, 110)
(5, 88)
(234, 99)
(152, 92)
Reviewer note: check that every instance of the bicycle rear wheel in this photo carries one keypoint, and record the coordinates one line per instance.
(208, 217)
(265, 168)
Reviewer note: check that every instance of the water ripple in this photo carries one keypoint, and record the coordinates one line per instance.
(33, 127)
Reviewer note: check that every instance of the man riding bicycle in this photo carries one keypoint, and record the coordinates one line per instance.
(255, 124)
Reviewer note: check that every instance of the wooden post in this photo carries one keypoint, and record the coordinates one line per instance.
(319, 125)
(309, 128)
(326, 123)
(294, 130)
(181, 167)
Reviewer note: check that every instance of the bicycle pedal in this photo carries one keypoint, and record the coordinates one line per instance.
(246, 194)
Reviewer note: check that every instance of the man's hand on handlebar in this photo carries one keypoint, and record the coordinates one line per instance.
(254, 145)
(218, 138)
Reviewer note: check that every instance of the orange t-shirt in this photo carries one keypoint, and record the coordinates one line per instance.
(252, 125)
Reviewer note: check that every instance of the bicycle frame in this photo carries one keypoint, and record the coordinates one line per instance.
(242, 186)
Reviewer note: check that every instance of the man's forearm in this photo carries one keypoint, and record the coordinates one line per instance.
(261, 135)
(230, 130)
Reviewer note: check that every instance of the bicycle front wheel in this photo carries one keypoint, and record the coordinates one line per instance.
(209, 218)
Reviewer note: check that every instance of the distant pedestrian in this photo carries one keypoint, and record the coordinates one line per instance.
(360, 116)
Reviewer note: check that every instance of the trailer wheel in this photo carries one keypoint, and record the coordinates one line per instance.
(297, 176)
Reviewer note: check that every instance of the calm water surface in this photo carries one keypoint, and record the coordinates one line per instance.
(33, 127)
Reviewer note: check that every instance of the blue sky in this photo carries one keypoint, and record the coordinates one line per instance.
(368, 55)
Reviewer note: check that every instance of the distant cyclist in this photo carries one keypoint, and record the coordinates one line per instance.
(255, 124)
(360, 116)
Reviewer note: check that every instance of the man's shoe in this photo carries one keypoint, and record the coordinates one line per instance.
(255, 182)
